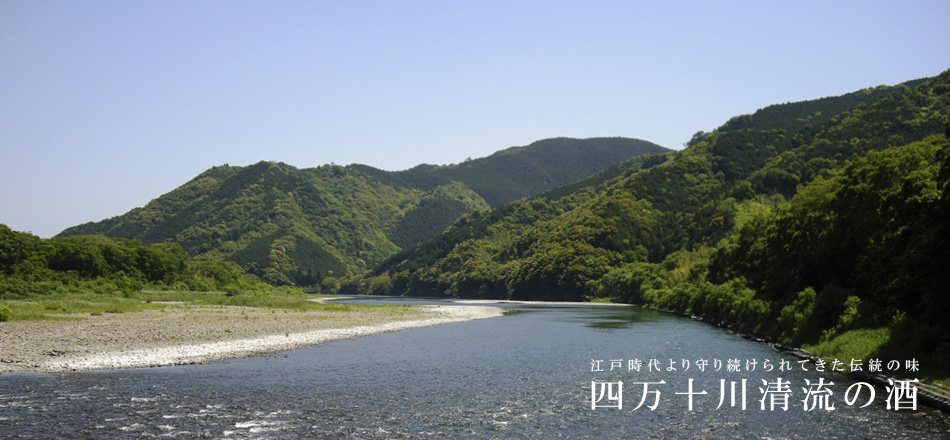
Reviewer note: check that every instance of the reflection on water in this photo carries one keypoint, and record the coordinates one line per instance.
(523, 375)
(617, 318)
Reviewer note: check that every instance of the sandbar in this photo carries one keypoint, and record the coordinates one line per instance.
(188, 334)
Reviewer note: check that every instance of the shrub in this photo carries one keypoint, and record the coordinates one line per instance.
(5, 313)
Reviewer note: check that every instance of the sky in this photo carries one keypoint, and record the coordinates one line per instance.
(106, 105)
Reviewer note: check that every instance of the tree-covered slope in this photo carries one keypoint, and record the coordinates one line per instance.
(480, 245)
(874, 231)
(286, 225)
(711, 231)
(796, 115)
(31, 266)
(693, 199)
(519, 172)
(299, 226)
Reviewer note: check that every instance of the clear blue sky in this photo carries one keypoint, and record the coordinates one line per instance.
(105, 105)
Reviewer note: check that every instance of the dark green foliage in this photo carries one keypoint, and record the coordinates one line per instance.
(608, 176)
(797, 115)
(909, 112)
(17, 252)
(299, 226)
(738, 154)
(284, 225)
(436, 210)
(5, 313)
(871, 232)
(304, 260)
(88, 263)
(520, 172)
(708, 230)
(863, 250)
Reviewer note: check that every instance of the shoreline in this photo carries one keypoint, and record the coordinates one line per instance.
(541, 303)
(927, 393)
(203, 334)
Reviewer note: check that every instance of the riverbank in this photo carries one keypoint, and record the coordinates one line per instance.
(928, 393)
(185, 333)
(546, 303)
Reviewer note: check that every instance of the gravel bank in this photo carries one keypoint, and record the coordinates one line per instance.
(187, 334)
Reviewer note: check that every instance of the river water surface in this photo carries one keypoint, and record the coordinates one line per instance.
(527, 374)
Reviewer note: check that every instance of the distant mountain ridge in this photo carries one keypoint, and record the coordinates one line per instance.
(299, 226)
(823, 222)
(558, 245)
(529, 170)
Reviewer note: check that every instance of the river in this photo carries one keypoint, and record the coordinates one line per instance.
(527, 374)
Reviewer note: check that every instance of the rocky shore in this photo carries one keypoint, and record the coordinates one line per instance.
(186, 334)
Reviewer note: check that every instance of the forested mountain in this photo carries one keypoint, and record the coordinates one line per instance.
(803, 222)
(519, 172)
(300, 226)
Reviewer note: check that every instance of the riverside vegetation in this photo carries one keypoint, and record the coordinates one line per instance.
(94, 302)
(820, 223)
(49, 278)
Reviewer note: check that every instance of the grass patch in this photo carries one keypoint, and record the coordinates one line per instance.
(865, 344)
(279, 301)
(292, 299)
(853, 344)
(55, 305)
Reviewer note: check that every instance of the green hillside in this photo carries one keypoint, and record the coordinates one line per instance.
(519, 172)
(802, 229)
(293, 226)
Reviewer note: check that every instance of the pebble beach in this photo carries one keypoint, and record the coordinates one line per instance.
(188, 334)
